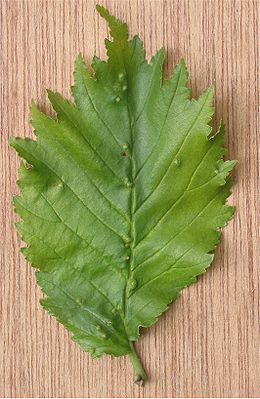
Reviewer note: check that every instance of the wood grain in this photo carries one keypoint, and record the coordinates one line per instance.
(207, 344)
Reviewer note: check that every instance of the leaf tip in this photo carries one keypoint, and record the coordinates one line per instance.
(103, 12)
(118, 29)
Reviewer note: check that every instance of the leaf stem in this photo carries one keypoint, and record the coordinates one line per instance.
(140, 375)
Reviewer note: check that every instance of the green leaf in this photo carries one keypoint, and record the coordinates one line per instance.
(122, 196)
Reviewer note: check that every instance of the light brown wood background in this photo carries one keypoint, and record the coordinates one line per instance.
(207, 344)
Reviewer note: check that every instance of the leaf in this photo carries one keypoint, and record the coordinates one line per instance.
(122, 196)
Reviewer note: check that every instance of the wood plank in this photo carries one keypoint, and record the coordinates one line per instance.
(207, 344)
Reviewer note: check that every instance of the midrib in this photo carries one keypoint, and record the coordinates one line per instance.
(132, 209)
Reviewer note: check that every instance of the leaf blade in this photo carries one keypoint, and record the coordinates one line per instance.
(124, 196)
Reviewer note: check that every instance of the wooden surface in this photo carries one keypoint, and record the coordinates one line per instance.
(207, 344)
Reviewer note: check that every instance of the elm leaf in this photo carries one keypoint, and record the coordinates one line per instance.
(123, 195)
